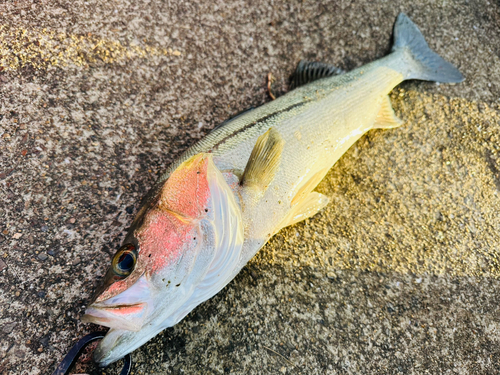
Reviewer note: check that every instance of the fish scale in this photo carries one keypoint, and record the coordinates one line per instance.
(227, 195)
(303, 110)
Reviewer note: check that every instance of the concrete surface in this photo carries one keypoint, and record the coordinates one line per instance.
(399, 274)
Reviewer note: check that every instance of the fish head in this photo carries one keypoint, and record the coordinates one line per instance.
(162, 262)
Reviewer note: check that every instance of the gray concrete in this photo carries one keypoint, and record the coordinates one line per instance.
(399, 274)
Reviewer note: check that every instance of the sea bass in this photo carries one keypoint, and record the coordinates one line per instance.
(226, 196)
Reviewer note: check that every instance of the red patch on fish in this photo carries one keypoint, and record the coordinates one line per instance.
(187, 191)
(172, 225)
(114, 289)
(129, 309)
(162, 239)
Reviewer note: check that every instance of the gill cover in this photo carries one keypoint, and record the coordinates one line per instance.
(189, 247)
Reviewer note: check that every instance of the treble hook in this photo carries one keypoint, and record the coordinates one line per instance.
(76, 350)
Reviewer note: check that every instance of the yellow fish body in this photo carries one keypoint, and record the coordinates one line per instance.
(217, 205)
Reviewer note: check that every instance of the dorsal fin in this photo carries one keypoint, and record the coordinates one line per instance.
(308, 71)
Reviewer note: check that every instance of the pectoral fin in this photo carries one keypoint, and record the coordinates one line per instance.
(264, 161)
(386, 118)
(307, 207)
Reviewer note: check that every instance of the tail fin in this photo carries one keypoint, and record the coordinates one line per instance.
(425, 63)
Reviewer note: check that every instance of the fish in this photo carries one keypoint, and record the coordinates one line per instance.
(227, 195)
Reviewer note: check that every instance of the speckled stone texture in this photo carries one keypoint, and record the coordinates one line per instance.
(398, 275)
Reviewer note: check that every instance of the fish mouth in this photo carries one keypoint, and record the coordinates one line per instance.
(108, 350)
(118, 343)
(129, 317)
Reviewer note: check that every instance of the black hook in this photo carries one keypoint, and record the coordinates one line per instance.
(76, 350)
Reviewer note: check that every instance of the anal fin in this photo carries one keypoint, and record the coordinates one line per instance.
(308, 207)
(386, 118)
(264, 161)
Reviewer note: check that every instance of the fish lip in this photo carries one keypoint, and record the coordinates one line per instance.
(101, 358)
(99, 306)
(102, 306)
(115, 316)
(115, 345)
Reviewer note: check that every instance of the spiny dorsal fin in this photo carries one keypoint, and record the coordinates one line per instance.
(308, 71)
(386, 118)
(264, 160)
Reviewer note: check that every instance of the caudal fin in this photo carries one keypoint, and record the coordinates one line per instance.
(424, 64)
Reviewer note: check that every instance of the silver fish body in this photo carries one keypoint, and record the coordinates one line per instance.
(301, 135)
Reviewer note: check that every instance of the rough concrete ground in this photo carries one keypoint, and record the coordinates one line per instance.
(399, 274)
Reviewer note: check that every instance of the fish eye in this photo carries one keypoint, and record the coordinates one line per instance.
(124, 260)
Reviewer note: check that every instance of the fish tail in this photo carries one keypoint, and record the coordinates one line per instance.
(421, 62)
